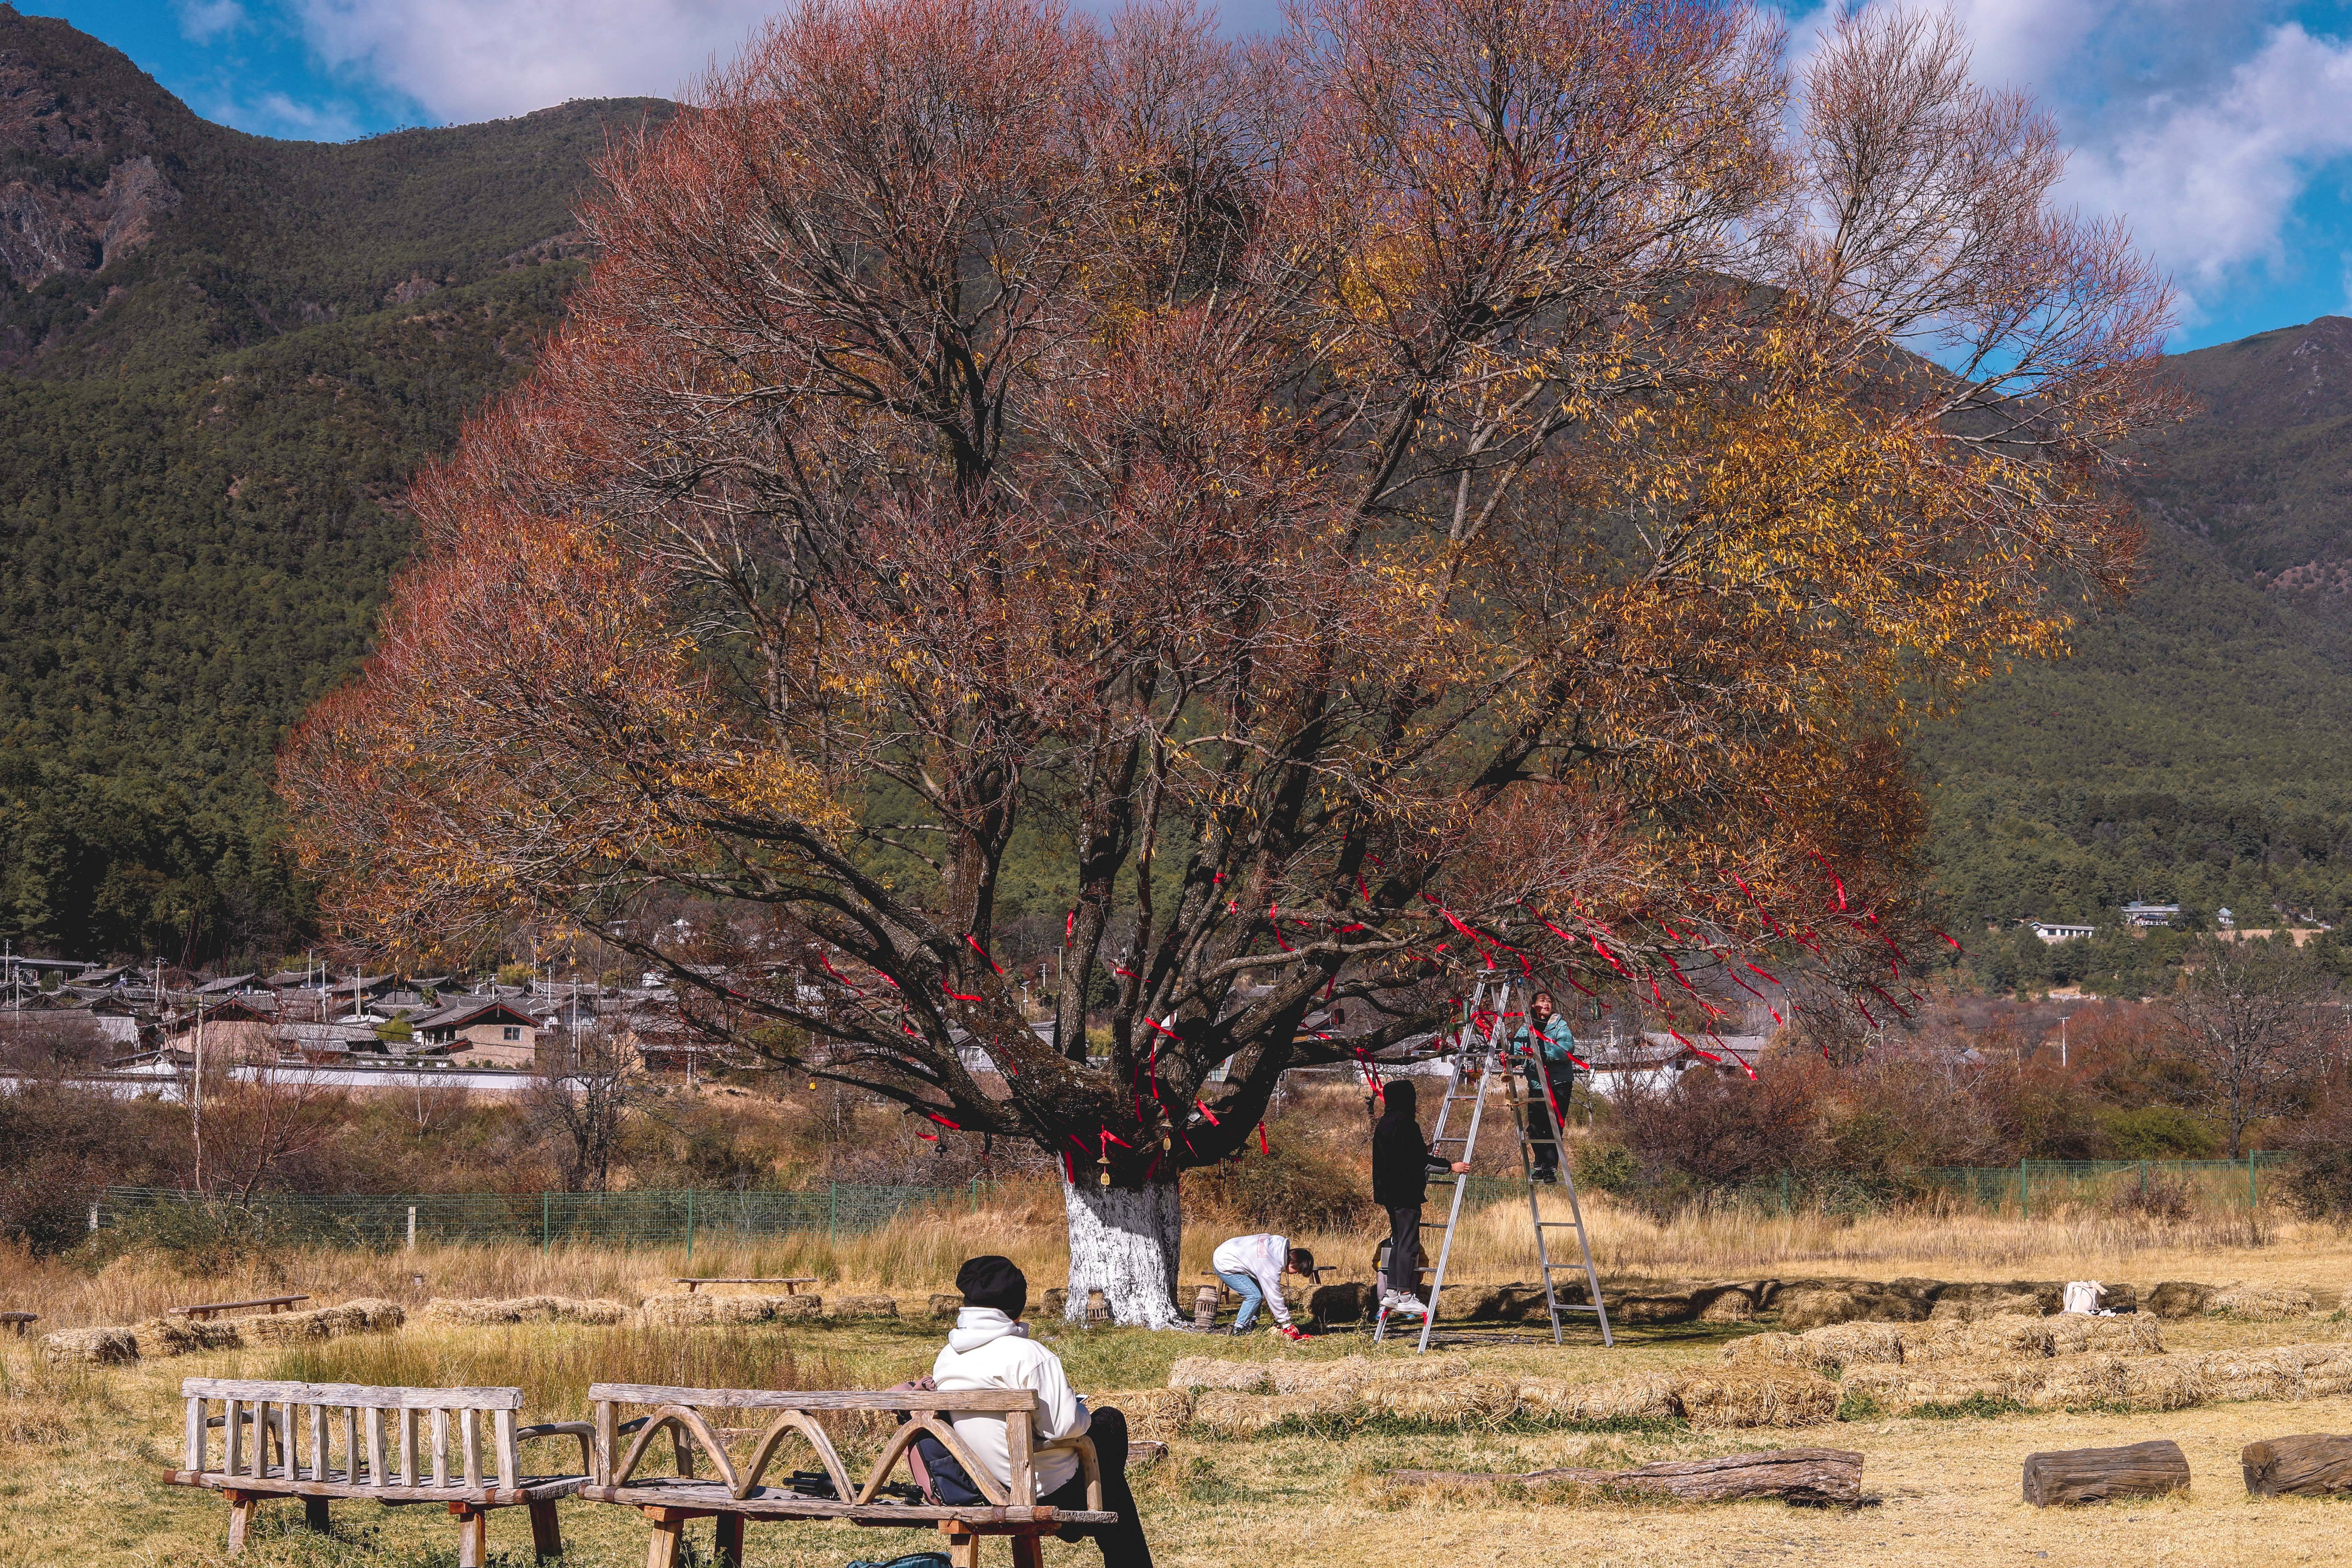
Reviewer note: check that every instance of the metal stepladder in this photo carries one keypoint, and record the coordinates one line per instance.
(1482, 1058)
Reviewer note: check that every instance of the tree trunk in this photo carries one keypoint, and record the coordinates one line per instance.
(1123, 1243)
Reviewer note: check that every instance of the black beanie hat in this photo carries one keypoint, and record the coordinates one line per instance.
(1400, 1095)
(993, 1281)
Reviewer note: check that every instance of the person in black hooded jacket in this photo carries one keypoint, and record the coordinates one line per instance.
(1402, 1164)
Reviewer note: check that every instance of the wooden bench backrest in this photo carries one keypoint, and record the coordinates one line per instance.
(679, 1410)
(356, 1414)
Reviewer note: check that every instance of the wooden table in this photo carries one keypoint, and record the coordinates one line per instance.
(19, 1322)
(215, 1308)
(791, 1285)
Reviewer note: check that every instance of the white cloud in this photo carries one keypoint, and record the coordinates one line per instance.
(2210, 180)
(477, 59)
(289, 119)
(204, 21)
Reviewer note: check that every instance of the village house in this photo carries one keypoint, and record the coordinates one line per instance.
(480, 1031)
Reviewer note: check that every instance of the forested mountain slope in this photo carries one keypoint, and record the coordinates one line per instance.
(221, 357)
(2198, 747)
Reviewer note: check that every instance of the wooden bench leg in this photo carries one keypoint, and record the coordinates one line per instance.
(661, 1551)
(963, 1547)
(473, 1535)
(314, 1513)
(727, 1547)
(546, 1531)
(1028, 1552)
(240, 1521)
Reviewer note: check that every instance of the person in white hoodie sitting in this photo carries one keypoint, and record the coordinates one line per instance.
(1252, 1266)
(991, 1348)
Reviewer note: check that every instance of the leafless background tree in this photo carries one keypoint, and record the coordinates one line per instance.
(2248, 1013)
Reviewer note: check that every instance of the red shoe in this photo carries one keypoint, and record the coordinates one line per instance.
(1291, 1331)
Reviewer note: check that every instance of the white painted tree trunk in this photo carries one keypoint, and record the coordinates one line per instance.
(1123, 1243)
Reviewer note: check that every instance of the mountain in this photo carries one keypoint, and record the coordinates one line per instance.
(221, 358)
(2197, 746)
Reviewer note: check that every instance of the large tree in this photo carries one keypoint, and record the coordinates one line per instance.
(1465, 483)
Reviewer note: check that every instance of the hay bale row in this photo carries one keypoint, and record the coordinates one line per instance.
(1845, 1346)
(487, 1312)
(1644, 1395)
(1741, 1397)
(2151, 1383)
(90, 1347)
(186, 1336)
(366, 1315)
(1735, 1398)
(2262, 1303)
(685, 1309)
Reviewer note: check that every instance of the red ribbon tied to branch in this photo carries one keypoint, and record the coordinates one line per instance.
(983, 952)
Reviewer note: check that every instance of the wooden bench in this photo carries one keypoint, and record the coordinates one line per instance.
(791, 1285)
(19, 1322)
(341, 1445)
(215, 1308)
(736, 1493)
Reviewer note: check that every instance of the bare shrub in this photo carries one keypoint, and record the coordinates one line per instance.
(2154, 1196)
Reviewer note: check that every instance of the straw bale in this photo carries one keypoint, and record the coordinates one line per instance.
(1758, 1396)
(1348, 1371)
(512, 1309)
(2133, 1333)
(946, 1304)
(1421, 1369)
(1813, 1308)
(93, 1347)
(865, 1307)
(1644, 1396)
(2089, 1379)
(1969, 1309)
(693, 1308)
(1778, 1350)
(1229, 1414)
(1900, 1390)
(2262, 1303)
(186, 1336)
(299, 1327)
(2179, 1298)
(1452, 1402)
(2166, 1382)
(378, 1315)
(2237, 1375)
(2010, 1337)
(1856, 1344)
(1153, 1415)
(1227, 1376)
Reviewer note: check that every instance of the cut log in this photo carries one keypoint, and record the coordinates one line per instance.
(1811, 1476)
(2095, 1475)
(2312, 1464)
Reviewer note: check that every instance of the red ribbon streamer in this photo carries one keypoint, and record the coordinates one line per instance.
(983, 952)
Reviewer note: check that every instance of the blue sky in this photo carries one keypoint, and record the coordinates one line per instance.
(2220, 129)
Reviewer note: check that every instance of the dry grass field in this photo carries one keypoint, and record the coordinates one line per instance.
(80, 1447)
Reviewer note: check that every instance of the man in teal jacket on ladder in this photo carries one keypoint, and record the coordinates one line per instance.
(1550, 1069)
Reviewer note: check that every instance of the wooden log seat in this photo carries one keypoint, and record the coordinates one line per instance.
(1808, 1477)
(320, 1441)
(2310, 1464)
(18, 1322)
(2098, 1474)
(207, 1310)
(735, 1492)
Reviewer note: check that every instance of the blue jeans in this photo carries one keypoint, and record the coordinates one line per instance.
(1251, 1293)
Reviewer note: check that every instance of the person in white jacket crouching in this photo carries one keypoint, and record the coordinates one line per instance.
(991, 1348)
(1251, 1267)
